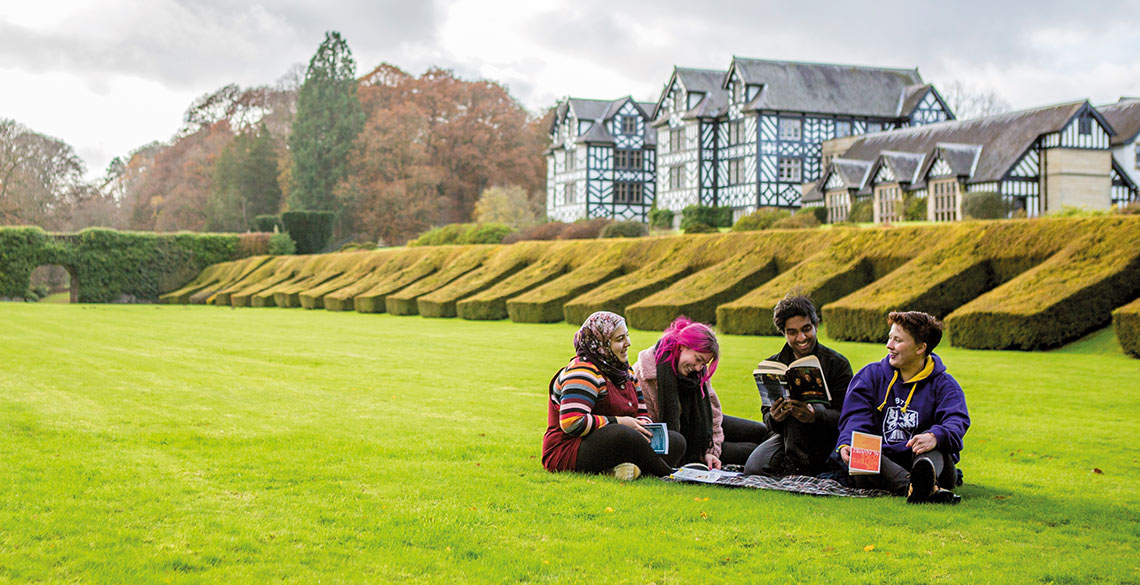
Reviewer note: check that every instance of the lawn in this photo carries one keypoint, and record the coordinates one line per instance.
(191, 444)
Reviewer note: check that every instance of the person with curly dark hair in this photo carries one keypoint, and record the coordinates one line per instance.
(804, 434)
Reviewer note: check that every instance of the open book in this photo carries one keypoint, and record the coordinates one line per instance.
(800, 380)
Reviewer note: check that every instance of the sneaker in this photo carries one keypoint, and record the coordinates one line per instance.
(625, 472)
(941, 496)
(922, 482)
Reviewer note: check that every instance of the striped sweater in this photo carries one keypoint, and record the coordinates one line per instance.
(578, 389)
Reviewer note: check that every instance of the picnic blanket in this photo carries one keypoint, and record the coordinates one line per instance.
(800, 484)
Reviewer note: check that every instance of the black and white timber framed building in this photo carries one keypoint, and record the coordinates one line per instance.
(601, 161)
(1040, 160)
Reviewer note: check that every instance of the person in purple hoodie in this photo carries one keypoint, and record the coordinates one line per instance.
(917, 407)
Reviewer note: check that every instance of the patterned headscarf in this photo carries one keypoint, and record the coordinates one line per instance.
(592, 343)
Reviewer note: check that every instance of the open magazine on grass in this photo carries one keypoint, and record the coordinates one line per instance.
(801, 380)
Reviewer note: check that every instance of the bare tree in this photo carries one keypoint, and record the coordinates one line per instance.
(967, 101)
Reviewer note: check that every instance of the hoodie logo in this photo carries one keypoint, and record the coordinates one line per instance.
(898, 426)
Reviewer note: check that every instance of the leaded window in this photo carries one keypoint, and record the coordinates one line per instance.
(842, 128)
(628, 192)
(676, 139)
(790, 170)
(676, 177)
(791, 128)
(629, 125)
(628, 159)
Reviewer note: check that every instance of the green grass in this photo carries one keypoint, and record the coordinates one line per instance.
(200, 444)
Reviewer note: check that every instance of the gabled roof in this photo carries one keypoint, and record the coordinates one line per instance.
(1124, 116)
(961, 158)
(598, 112)
(823, 88)
(852, 173)
(904, 165)
(706, 81)
(1000, 140)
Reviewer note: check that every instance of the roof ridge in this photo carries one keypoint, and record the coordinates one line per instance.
(819, 63)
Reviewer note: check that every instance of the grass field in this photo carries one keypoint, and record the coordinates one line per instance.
(191, 444)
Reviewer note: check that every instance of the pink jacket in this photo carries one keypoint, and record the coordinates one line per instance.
(646, 371)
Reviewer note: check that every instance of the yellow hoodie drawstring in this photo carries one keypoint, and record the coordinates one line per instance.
(922, 374)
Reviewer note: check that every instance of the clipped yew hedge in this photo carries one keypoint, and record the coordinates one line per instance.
(383, 269)
(464, 260)
(1064, 298)
(366, 264)
(559, 258)
(110, 265)
(963, 262)
(752, 261)
(668, 260)
(544, 304)
(214, 278)
(851, 260)
(374, 299)
(1126, 321)
(506, 261)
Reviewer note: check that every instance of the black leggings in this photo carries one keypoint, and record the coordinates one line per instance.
(741, 436)
(614, 444)
(894, 472)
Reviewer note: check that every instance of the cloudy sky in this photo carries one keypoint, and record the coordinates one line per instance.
(108, 76)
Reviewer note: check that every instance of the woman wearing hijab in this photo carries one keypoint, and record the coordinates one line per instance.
(674, 379)
(595, 412)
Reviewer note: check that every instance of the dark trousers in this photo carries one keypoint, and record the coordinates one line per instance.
(800, 449)
(741, 437)
(614, 444)
(894, 472)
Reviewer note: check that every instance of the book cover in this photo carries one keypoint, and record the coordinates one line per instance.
(660, 439)
(801, 380)
(866, 454)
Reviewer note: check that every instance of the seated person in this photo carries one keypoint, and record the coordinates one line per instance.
(674, 379)
(918, 408)
(803, 434)
(595, 411)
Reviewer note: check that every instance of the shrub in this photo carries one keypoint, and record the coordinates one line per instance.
(915, 208)
(625, 229)
(761, 219)
(985, 205)
(255, 244)
(281, 244)
(862, 211)
(268, 223)
(700, 228)
(487, 233)
(1076, 211)
(584, 229)
(1126, 322)
(544, 231)
(357, 246)
(820, 213)
(712, 216)
(310, 230)
(661, 218)
(798, 221)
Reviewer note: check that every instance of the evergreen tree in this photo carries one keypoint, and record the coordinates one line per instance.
(328, 119)
(245, 183)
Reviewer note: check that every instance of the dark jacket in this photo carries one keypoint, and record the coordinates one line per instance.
(879, 403)
(837, 372)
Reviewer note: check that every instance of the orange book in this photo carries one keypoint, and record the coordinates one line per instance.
(866, 454)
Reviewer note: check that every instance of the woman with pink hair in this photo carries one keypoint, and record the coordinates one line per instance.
(673, 376)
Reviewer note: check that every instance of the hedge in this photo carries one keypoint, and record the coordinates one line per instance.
(659, 265)
(965, 261)
(557, 259)
(373, 299)
(304, 273)
(221, 294)
(377, 267)
(544, 304)
(506, 261)
(310, 230)
(464, 260)
(851, 260)
(1126, 321)
(324, 270)
(109, 265)
(284, 269)
(754, 261)
(366, 263)
(1064, 298)
(213, 278)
